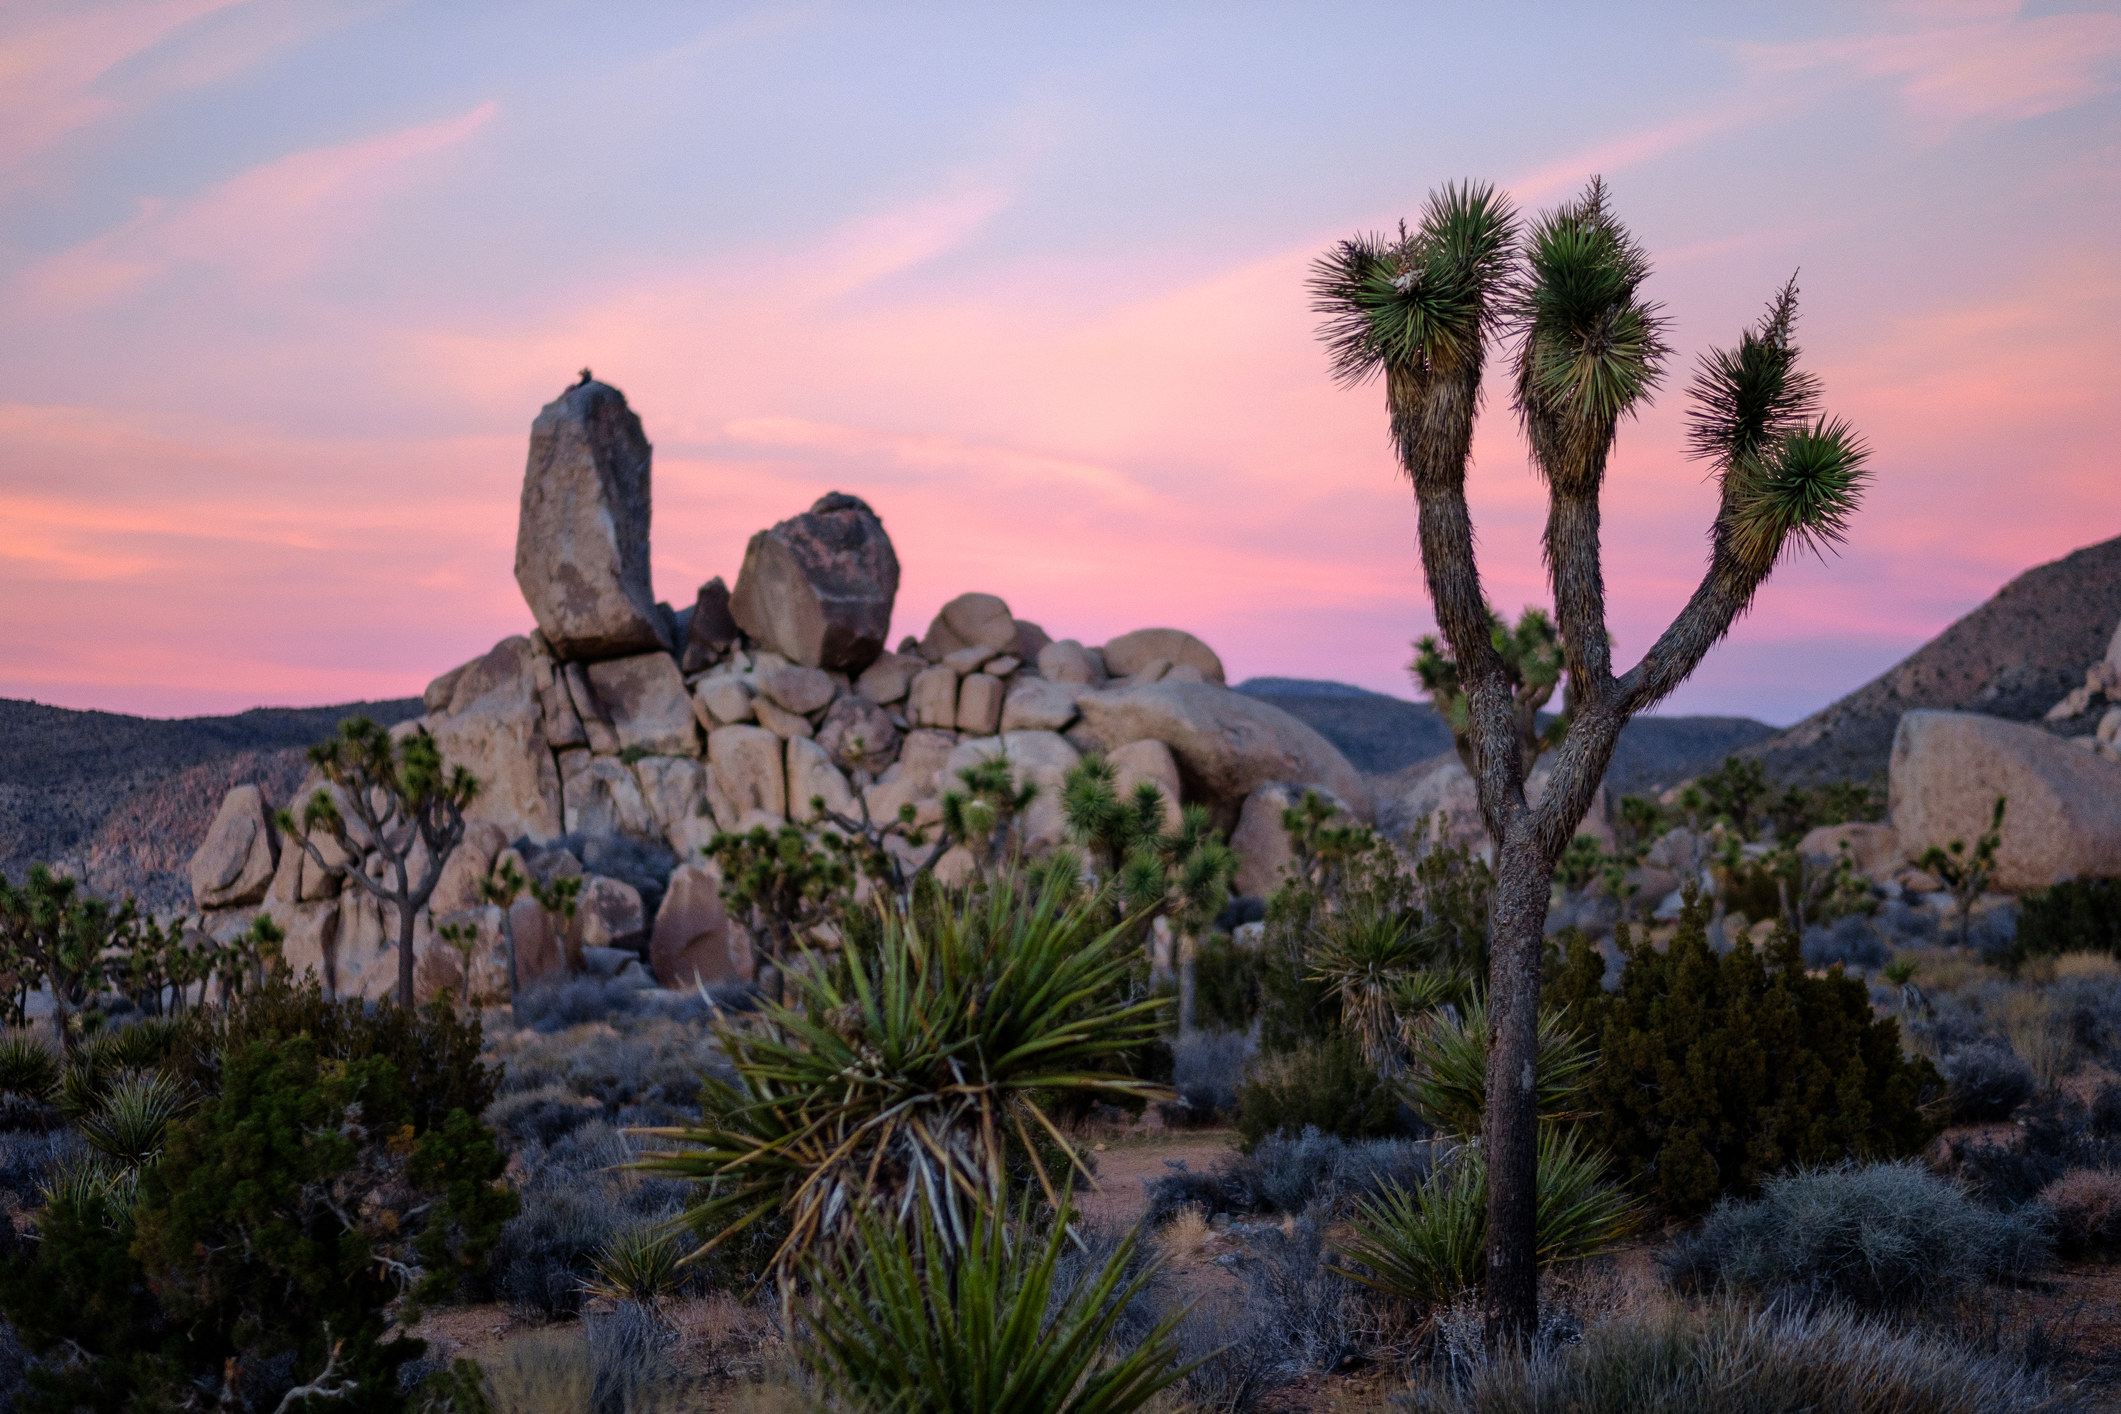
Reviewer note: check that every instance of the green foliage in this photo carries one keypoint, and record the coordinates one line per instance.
(1531, 660)
(2076, 915)
(1385, 971)
(268, 1228)
(1714, 1073)
(1430, 1244)
(781, 887)
(641, 1264)
(1329, 1086)
(982, 812)
(1965, 872)
(50, 932)
(1447, 1072)
(919, 1072)
(898, 1328)
(28, 1069)
(1794, 810)
(1735, 795)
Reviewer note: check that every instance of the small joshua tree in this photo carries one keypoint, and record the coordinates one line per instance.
(53, 933)
(409, 808)
(1423, 310)
(1531, 660)
(1966, 873)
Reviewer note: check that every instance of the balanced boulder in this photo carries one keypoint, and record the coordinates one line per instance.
(818, 588)
(235, 865)
(1131, 653)
(582, 541)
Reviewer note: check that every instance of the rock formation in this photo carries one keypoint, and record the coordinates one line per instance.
(818, 588)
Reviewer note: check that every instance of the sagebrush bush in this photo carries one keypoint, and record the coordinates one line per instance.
(1852, 941)
(543, 1116)
(1715, 1072)
(1731, 1360)
(1881, 1237)
(1329, 1087)
(1226, 989)
(1207, 1068)
(577, 1199)
(562, 1002)
(1986, 1081)
(1286, 1173)
(2087, 1208)
(1290, 1315)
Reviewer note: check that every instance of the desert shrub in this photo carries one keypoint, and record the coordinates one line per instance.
(2086, 1204)
(2076, 915)
(282, 1205)
(630, 1364)
(1736, 1361)
(2040, 1032)
(1986, 1081)
(1878, 1236)
(1429, 1243)
(28, 1070)
(894, 1326)
(1286, 1173)
(1715, 1072)
(1226, 991)
(543, 1116)
(1207, 1068)
(1850, 941)
(2104, 1113)
(1290, 1315)
(562, 1002)
(1328, 1087)
(29, 1157)
(578, 1199)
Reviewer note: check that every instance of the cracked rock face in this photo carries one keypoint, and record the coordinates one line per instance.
(818, 588)
(582, 541)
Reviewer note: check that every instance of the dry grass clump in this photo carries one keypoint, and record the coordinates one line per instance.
(2087, 1208)
(2085, 966)
(2040, 1033)
(1666, 1360)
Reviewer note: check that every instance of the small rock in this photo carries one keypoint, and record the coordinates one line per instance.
(1066, 661)
(1035, 704)
(711, 630)
(1031, 640)
(888, 678)
(1130, 652)
(781, 722)
(812, 775)
(967, 660)
(801, 690)
(932, 700)
(690, 945)
(979, 704)
(858, 735)
(970, 621)
(650, 709)
(747, 767)
(1150, 761)
(724, 698)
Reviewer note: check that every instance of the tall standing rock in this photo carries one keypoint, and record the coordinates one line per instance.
(818, 588)
(582, 542)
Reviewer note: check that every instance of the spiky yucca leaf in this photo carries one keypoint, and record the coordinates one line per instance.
(642, 1264)
(28, 1069)
(1429, 1244)
(1422, 302)
(135, 1114)
(1747, 399)
(898, 1327)
(914, 1076)
(1447, 1069)
(1369, 958)
(1591, 348)
(1799, 495)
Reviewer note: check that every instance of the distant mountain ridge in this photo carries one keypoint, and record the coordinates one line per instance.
(2014, 656)
(126, 800)
(1381, 734)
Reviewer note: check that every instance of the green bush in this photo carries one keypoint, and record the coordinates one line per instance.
(1715, 1072)
(2076, 915)
(298, 1196)
(1328, 1087)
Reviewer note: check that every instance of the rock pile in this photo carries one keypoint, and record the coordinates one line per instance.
(617, 738)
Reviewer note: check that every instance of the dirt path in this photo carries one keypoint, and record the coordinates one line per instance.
(1126, 1162)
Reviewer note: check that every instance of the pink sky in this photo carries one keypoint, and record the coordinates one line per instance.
(283, 285)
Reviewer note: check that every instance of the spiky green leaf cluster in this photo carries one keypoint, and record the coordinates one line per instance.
(1421, 303)
(1590, 346)
(1429, 1245)
(1447, 1069)
(899, 1329)
(917, 1074)
(1799, 494)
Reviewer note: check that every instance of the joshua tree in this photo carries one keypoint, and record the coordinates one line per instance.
(1531, 659)
(1965, 874)
(410, 810)
(51, 932)
(1422, 309)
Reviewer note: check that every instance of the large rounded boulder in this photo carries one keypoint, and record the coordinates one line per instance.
(818, 588)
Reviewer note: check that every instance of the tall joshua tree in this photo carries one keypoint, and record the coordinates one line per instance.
(410, 810)
(1423, 309)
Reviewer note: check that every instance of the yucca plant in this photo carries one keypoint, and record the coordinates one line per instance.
(1428, 1244)
(641, 1264)
(914, 1075)
(1376, 960)
(28, 1069)
(904, 1323)
(1447, 1069)
(134, 1115)
(1422, 311)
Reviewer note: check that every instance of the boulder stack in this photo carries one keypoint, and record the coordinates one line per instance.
(818, 588)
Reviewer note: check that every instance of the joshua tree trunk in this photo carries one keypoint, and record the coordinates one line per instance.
(1421, 310)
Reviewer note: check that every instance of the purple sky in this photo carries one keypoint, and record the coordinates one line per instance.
(282, 286)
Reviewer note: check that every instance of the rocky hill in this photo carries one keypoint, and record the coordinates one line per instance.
(1384, 735)
(126, 800)
(2013, 657)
